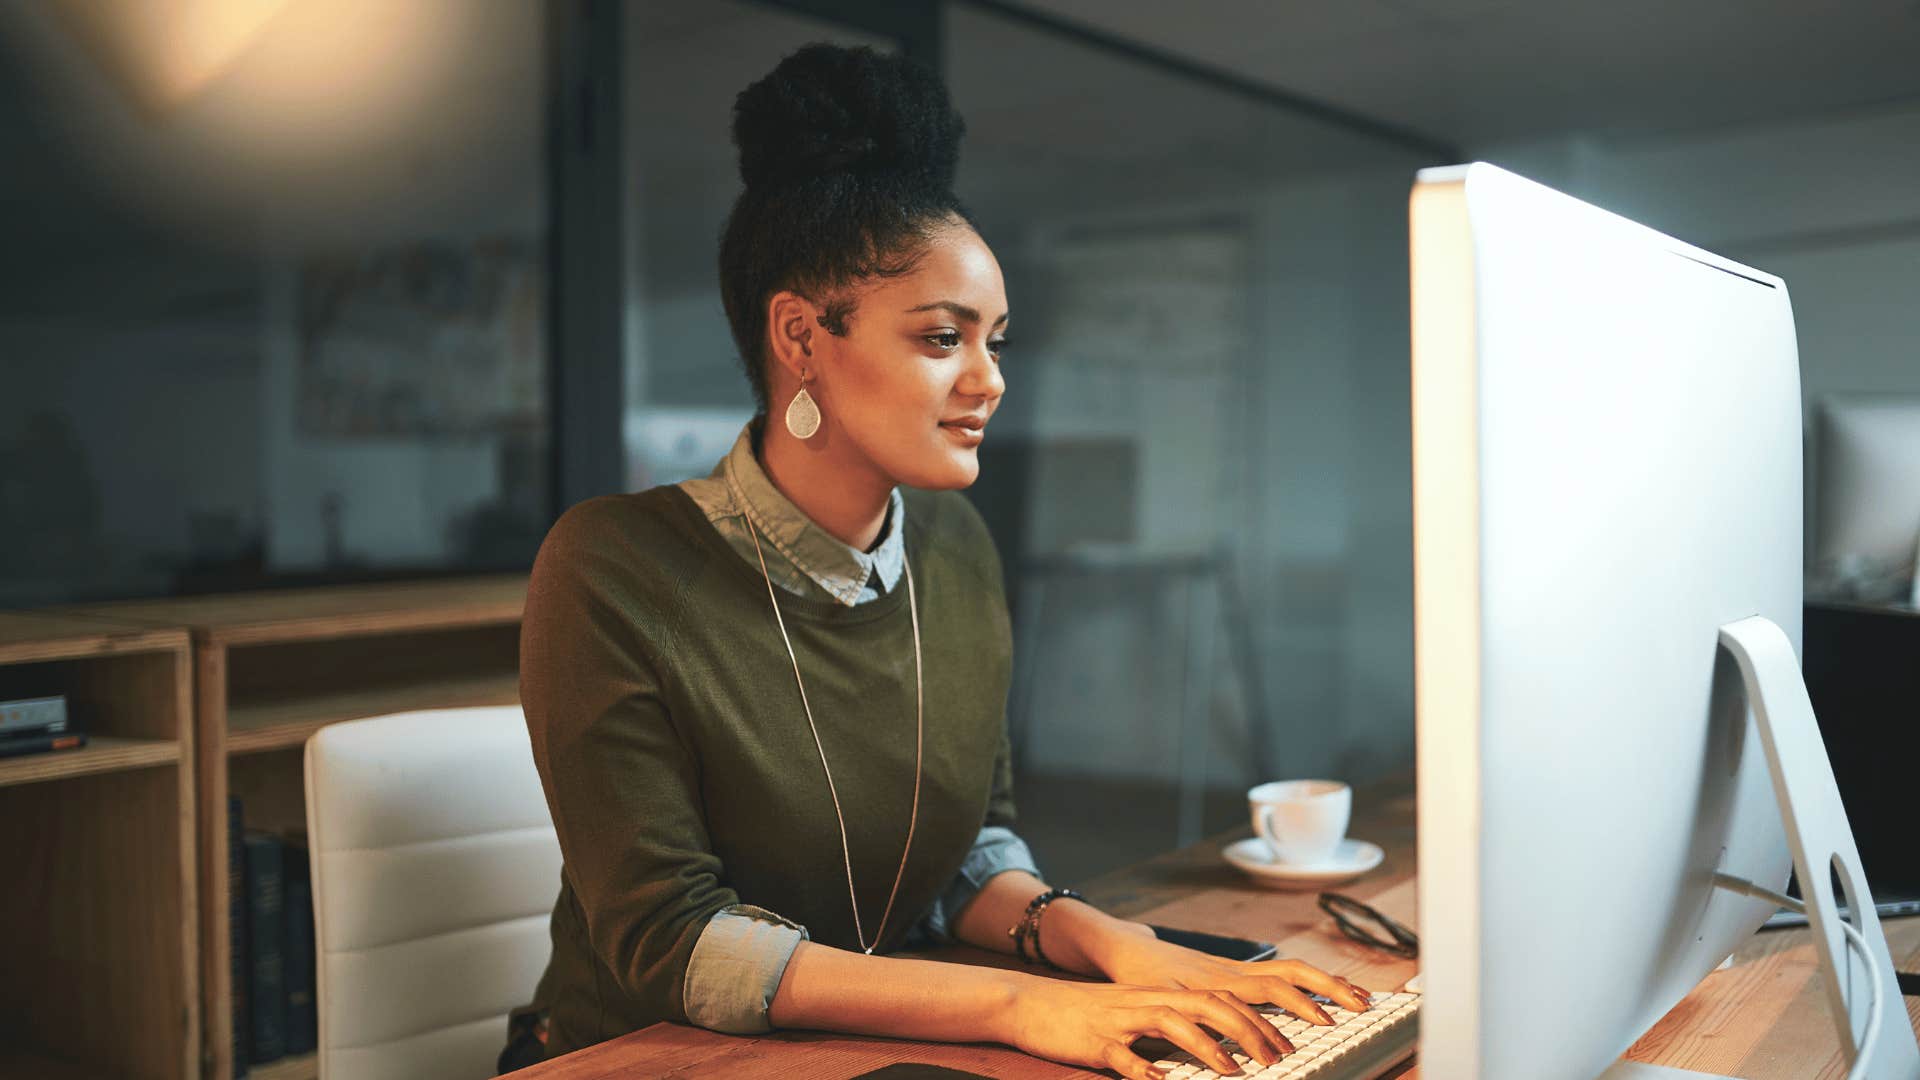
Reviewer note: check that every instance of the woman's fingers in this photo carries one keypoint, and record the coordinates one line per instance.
(1224, 1013)
(1127, 1063)
(1284, 993)
(1360, 993)
(1340, 990)
(1345, 994)
(1168, 1023)
(1251, 1022)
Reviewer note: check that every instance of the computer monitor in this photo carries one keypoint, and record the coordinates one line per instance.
(1607, 470)
(1866, 499)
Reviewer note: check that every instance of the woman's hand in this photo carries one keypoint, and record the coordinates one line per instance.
(1095, 1025)
(1144, 960)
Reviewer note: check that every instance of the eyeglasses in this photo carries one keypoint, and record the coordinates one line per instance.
(1346, 910)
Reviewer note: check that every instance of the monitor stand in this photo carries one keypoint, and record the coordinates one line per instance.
(1819, 837)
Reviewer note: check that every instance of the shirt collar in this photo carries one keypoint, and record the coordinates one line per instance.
(836, 566)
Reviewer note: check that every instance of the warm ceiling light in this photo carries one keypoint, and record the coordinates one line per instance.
(167, 51)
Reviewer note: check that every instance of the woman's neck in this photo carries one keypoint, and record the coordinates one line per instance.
(846, 498)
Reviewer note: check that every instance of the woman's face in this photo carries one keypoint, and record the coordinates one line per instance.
(912, 384)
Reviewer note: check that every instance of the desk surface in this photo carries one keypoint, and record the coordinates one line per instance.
(1762, 1019)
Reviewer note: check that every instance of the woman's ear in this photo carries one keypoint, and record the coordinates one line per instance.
(791, 321)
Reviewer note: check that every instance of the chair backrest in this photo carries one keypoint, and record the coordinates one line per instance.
(435, 869)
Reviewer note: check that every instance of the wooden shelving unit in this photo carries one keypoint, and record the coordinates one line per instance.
(269, 670)
(99, 941)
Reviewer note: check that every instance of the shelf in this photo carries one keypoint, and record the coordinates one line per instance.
(23, 1063)
(281, 725)
(281, 615)
(101, 754)
(301, 1067)
(33, 636)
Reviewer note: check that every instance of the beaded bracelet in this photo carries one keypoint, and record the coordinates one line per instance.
(1029, 925)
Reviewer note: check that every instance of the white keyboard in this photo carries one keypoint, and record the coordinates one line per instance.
(1359, 1045)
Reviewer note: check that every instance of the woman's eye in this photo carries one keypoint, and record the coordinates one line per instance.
(995, 346)
(946, 340)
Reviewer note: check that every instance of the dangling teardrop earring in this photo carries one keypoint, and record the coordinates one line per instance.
(803, 416)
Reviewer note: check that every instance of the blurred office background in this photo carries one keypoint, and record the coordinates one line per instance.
(327, 291)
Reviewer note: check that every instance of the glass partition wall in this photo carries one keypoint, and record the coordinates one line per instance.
(273, 296)
(295, 304)
(1200, 475)
(1198, 478)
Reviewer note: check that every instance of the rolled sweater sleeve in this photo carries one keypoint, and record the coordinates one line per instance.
(623, 784)
(736, 969)
(996, 851)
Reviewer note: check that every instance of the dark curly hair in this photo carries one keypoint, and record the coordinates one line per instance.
(848, 156)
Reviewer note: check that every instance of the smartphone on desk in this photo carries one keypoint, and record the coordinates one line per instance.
(1232, 948)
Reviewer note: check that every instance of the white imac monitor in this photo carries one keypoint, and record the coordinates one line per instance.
(1607, 470)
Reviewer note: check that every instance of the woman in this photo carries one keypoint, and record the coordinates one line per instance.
(768, 705)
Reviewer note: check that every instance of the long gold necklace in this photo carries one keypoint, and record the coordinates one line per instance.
(920, 721)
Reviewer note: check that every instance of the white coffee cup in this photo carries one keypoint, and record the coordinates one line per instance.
(1301, 821)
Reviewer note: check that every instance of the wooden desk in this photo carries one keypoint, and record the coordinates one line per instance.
(1763, 1019)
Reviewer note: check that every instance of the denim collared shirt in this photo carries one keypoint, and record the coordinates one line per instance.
(742, 954)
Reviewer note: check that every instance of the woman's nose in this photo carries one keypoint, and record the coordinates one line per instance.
(982, 376)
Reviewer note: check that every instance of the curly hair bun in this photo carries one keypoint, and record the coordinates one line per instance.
(829, 110)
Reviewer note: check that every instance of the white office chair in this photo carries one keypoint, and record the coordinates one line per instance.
(435, 868)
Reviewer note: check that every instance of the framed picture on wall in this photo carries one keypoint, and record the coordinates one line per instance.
(441, 338)
(1143, 340)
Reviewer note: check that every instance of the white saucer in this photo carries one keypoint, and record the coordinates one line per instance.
(1351, 859)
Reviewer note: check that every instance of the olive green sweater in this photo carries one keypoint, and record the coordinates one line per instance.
(677, 760)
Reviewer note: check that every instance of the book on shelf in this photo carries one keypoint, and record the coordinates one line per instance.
(266, 944)
(302, 1016)
(12, 745)
(275, 972)
(36, 726)
(34, 716)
